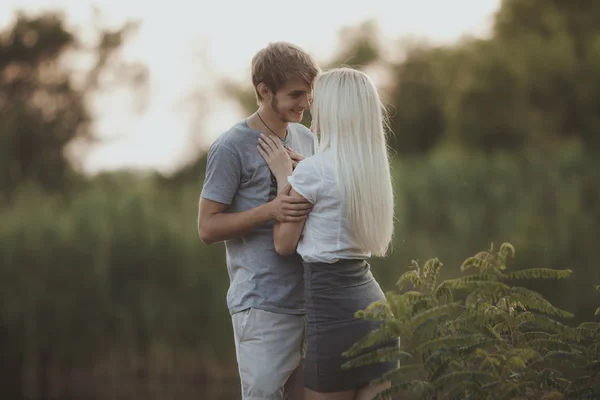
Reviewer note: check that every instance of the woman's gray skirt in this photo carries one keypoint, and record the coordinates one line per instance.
(333, 293)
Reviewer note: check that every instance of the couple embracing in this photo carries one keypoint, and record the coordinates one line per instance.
(300, 212)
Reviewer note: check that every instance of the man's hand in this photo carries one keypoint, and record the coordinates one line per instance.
(295, 156)
(289, 208)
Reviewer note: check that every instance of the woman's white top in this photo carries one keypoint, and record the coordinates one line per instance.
(326, 236)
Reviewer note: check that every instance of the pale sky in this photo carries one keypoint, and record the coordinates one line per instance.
(205, 40)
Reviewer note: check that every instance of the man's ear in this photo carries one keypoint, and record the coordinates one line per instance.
(264, 91)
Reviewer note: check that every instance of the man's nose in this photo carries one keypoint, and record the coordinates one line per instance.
(305, 102)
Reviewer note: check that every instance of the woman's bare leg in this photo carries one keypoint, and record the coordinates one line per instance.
(312, 395)
(369, 392)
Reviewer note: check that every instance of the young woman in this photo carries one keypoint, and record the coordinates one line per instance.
(349, 184)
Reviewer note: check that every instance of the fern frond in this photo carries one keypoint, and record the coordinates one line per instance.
(506, 249)
(433, 314)
(415, 386)
(466, 352)
(470, 262)
(534, 335)
(549, 345)
(548, 324)
(380, 355)
(431, 270)
(399, 374)
(589, 329)
(533, 300)
(397, 305)
(413, 297)
(472, 319)
(461, 390)
(539, 273)
(526, 355)
(443, 294)
(489, 289)
(376, 311)
(410, 277)
(568, 358)
(462, 376)
(484, 261)
(514, 389)
(450, 342)
(460, 283)
(386, 332)
(485, 358)
(585, 393)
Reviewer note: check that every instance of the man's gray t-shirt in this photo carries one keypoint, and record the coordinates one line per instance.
(237, 175)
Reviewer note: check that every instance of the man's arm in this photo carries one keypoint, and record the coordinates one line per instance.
(216, 225)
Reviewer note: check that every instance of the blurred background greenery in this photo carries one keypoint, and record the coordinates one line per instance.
(106, 290)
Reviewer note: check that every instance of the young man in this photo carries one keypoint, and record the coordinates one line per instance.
(239, 204)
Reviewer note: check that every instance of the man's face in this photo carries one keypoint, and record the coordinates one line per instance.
(291, 100)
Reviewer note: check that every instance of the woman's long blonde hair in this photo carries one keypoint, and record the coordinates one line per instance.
(348, 120)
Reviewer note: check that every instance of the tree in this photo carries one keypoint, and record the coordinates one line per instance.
(44, 107)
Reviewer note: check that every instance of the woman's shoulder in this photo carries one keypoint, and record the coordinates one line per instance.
(319, 165)
(316, 161)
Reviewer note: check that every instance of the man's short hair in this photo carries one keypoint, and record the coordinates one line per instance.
(279, 62)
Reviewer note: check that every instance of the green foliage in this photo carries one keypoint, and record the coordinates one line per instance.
(598, 309)
(500, 342)
(113, 277)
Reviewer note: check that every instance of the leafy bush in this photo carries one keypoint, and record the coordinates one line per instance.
(499, 342)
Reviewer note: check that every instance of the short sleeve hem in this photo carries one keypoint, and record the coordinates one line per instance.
(299, 190)
(305, 181)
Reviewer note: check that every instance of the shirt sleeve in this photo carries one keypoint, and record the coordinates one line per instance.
(305, 180)
(223, 175)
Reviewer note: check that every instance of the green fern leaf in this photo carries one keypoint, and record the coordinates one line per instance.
(455, 377)
(433, 314)
(589, 329)
(431, 270)
(534, 335)
(443, 294)
(397, 304)
(449, 341)
(415, 386)
(410, 277)
(585, 393)
(385, 333)
(567, 358)
(379, 355)
(376, 311)
(532, 300)
(513, 389)
(412, 297)
(399, 374)
(459, 282)
(462, 390)
(547, 345)
(548, 324)
(539, 273)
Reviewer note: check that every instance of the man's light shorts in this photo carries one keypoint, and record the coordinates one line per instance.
(269, 349)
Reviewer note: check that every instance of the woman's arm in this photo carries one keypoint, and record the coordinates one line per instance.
(286, 235)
